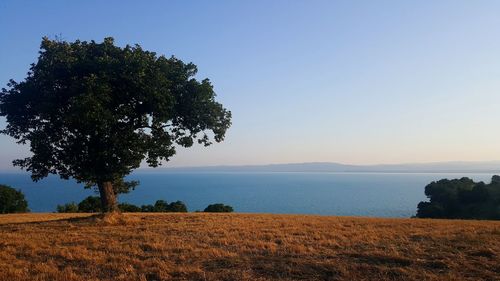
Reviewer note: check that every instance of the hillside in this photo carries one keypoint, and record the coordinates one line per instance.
(245, 247)
(329, 167)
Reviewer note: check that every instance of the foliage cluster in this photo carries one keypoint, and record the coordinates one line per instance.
(162, 206)
(218, 208)
(461, 199)
(92, 204)
(12, 201)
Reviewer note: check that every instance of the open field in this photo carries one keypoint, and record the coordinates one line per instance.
(245, 247)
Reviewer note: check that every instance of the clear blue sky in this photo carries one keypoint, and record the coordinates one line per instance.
(342, 81)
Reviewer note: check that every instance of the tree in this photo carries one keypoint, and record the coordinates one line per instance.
(445, 193)
(12, 201)
(178, 207)
(160, 206)
(461, 199)
(93, 111)
(218, 208)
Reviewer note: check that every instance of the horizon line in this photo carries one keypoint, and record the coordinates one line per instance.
(164, 167)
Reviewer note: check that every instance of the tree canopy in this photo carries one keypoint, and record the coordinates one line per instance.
(93, 111)
(12, 201)
(461, 199)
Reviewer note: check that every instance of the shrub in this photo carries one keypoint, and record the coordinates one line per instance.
(68, 208)
(161, 206)
(128, 208)
(91, 204)
(178, 207)
(147, 208)
(218, 208)
(12, 201)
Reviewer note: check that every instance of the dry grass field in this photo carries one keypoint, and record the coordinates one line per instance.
(201, 246)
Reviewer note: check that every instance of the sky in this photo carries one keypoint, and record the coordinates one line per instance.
(356, 82)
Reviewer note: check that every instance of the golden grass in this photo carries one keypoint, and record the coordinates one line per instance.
(245, 247)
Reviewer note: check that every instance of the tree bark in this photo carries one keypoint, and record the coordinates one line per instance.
(108, 197)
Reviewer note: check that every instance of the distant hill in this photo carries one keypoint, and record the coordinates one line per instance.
(438, 167)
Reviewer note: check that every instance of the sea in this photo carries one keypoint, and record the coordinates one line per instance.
(339, 194)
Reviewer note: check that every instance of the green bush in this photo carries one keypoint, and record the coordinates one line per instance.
(12, 201)
(129, 208)
(147, 208)
(161, 206)
(218, 208)
(68, 208)
(178, 207)
(91, 204)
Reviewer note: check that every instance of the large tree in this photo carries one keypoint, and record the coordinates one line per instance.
(94, 111)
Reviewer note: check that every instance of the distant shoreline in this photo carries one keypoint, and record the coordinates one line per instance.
(326, 167)
(311, 172)
(457, 167)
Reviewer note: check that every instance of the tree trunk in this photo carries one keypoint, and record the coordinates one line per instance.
(108, 197)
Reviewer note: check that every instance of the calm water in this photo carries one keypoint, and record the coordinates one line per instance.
(345, 194)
